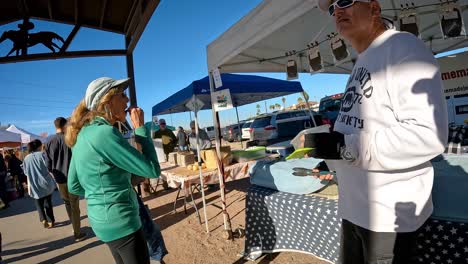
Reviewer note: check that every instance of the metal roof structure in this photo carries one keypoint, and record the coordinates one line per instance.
(126, 17)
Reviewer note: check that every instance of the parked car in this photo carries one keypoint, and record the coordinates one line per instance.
(246, 130)
(329, 108)
(233, 132)
(210, 130)
(281, 125)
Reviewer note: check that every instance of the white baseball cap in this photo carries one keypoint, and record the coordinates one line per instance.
(324, 4)
(99, 87)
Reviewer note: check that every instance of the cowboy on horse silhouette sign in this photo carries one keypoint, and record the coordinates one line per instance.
(22, 39)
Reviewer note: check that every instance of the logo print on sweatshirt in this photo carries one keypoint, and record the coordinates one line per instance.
(361, 78)
(348, 99)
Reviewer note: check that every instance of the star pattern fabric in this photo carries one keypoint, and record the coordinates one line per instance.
(278, 222)
(443, 242)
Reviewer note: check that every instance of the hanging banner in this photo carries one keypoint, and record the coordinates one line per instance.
(454, 73)
(222, 100)
(217, 78)
(194, 104)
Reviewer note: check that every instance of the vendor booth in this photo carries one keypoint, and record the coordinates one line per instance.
(9, 139)
(242, 89)
(296, 36)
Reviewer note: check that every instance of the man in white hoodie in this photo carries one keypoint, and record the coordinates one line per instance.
(394, 121)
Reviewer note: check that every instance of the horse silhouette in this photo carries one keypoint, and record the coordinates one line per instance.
(17, 37)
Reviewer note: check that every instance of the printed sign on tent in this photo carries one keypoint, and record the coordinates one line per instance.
(222, 100)
(194, 104)
(217, 78)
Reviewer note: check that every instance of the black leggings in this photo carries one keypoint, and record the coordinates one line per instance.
(131, 249)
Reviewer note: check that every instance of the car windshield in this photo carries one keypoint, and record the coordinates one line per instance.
(261, 122)
(330, 105)
(246, 125)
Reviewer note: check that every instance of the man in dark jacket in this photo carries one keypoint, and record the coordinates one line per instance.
(58, 156)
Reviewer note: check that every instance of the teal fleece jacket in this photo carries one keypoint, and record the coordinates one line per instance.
(100, 170)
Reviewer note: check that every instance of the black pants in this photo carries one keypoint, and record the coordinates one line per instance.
(362, 246)
(131, 249)
(45, 209)
(3, 192)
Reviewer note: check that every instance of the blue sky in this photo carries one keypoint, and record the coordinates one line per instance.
(170, 55)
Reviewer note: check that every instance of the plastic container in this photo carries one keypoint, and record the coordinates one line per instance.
(252, 153)
(283, 148)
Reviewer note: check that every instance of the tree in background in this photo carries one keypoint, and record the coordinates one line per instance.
(299, 102)
(278, 106)
(284, 102)
(272, 107)
(258, 109)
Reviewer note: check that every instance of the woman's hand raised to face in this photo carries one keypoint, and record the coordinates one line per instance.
(137, 116)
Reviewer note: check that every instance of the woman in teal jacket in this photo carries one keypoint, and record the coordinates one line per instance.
(102, 163)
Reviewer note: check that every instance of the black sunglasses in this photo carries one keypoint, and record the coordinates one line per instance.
(343, 4)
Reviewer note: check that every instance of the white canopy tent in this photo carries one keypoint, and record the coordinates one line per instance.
(259, 41)
(9, 139)
(26, 136)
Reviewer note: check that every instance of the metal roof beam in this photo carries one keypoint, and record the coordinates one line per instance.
(103, 12)
(76, 11)
(49, 7)
(146, 16)
(130, 15)
(65, 55)
(69, 39)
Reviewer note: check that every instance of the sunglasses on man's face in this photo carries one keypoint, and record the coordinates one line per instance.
(343, 4)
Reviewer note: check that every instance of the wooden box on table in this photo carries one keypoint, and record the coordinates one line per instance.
(173, 158)
(185, 158)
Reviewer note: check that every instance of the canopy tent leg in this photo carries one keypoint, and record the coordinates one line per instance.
(226, 218)
(200, 174)
(306, 97)
(240, 129)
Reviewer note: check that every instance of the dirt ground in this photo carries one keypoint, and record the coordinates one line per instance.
(187, 240)
(25, 241)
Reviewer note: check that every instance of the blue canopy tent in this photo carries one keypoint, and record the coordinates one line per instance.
(244, 89)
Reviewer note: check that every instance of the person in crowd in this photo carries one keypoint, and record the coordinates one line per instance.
(169, 141)
(102, 164)
(393, 121)
(41, 185)
(14, 167)
(182, 139)
(58, 156)
(168, 138)
(203, 139)
(3, 186)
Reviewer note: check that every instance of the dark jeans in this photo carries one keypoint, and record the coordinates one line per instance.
(152, 233)
(130, 249)
(45, 208)
(72, 205)
(362, 246)
(3, 192)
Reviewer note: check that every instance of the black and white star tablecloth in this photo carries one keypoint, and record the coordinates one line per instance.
(277, 221)
(443, 242)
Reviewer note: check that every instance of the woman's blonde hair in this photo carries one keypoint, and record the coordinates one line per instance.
(82, 116)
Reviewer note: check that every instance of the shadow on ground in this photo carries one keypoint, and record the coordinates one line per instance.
(32, 251)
